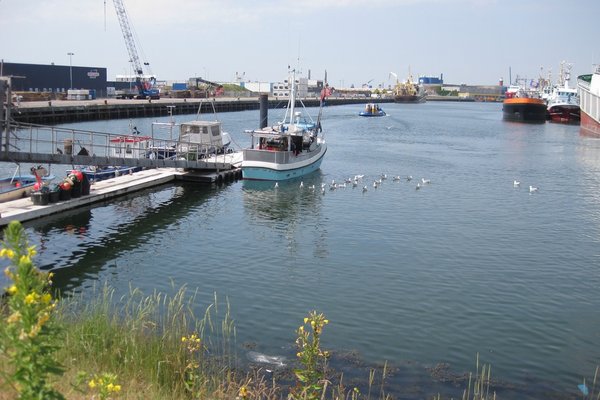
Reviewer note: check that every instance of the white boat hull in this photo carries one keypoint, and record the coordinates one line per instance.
(261, 168)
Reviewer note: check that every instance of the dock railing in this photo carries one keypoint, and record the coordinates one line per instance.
(60, 145)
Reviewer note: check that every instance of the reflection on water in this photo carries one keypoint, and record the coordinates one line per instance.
(77, 244)
(285, 206)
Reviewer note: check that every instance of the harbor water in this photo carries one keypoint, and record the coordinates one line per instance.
(423, 279)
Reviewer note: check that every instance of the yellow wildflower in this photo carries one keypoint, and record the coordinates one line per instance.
(30, 298)
(31, 251)
(14, 317)
(305, 319)
(92, 384)
(8, 253)
(24, 260)
(43, 319)
(46, 298)
(243, 391)
(117, 388)
(110, 387)
(183, 339)
(34, 331)
(12, 289)
(325, 321)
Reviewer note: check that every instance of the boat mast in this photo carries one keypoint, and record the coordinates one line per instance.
(293, 96)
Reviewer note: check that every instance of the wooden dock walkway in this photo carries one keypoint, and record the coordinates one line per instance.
(24, 210)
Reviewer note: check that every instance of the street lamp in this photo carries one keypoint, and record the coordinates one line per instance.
(71, 68)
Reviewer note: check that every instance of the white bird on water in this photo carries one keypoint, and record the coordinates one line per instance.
(301, 184)
(312, 187)
(396, 178)
(365, 188)
(276, 185)
(532, 189)
(409, 178)
(516, 183)
(425, 181)
(418, 186)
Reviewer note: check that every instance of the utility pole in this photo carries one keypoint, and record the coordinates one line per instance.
(71, 68)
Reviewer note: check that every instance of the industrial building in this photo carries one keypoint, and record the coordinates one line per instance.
(54, 79)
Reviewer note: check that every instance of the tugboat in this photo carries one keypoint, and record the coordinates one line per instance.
(523, 105)
(563, 102)
(372, 110)
(588, 87)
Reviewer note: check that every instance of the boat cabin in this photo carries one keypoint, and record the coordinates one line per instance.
(202, 136)
(128, 146)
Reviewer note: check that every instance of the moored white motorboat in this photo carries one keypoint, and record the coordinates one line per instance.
(292, 148)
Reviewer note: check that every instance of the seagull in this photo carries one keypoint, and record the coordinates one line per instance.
(397, 178)
(409, 178)
(425, 181)
(312, 187)
(516, 183)
(357, 177)
(375, 184)
(354, 183)
(532, 189)
(348, 180)
(418, 186)
(59, 151)
(301, 184)
(342, 185)
(323, 191)
(383, 176)
(322, 186)
(365, 188)
(276, 185)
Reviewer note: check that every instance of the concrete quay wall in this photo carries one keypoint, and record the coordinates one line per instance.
(65, 111)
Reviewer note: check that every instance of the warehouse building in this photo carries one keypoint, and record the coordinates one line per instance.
(54, 79)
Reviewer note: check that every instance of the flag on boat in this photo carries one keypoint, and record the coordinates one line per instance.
(326, 92)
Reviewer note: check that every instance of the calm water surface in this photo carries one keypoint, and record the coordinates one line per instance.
(467, 264)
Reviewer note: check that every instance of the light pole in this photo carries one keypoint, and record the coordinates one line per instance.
(71, 68)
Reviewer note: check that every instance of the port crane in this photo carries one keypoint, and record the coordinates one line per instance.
(145, 87)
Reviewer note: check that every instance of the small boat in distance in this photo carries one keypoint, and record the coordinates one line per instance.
(292, 148)
(563, 101)
(372, 110)
(523, 105)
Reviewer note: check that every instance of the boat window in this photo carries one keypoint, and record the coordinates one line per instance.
(215, 130)
(128, 149)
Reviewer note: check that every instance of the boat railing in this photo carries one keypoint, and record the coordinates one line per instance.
(280, 157)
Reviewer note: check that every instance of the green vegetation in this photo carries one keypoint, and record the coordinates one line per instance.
(443, 92)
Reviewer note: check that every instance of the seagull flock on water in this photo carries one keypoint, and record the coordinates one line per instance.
(361, 181)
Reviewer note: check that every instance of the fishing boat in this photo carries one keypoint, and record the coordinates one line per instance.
(523, 105)
(563, 102)
(588, 87)
(18, 186)
(372, 110)
(292, 148)
(408, 91)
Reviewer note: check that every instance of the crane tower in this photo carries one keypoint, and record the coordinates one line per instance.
(145, 87)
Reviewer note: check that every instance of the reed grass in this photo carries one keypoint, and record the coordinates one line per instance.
(139, 338)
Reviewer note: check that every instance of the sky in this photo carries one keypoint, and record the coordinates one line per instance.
(475, 42)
